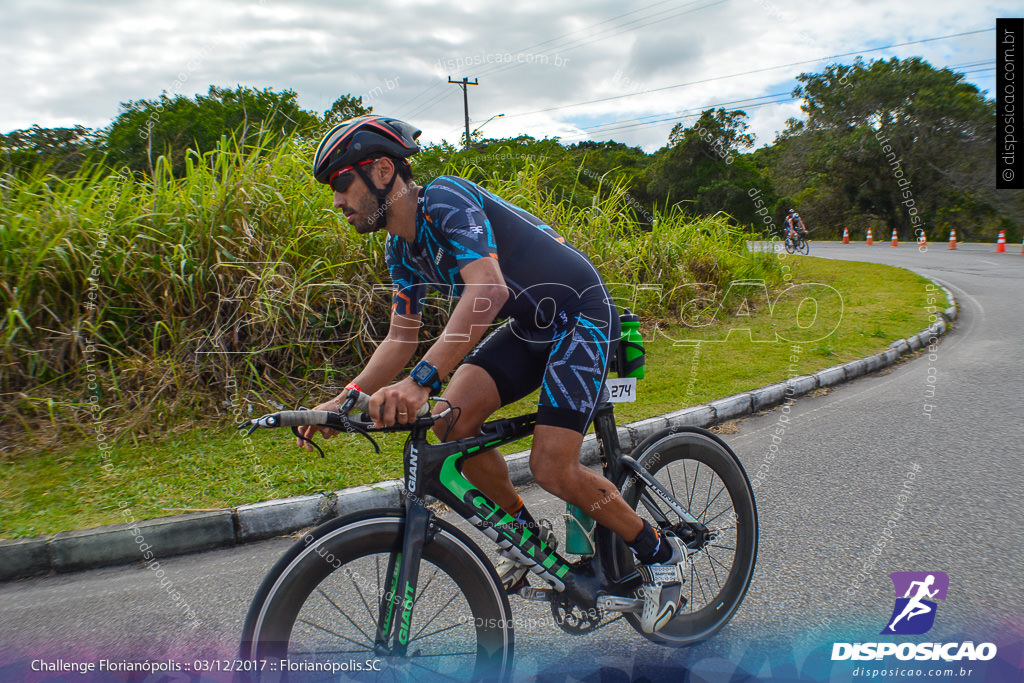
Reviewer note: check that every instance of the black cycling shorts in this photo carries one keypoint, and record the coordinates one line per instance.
(568, 362)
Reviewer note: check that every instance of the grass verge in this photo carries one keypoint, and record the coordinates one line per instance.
(860, 309)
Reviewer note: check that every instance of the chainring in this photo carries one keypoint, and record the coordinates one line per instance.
(575, 621)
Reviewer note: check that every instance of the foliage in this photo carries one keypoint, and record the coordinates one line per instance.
(173, 293)
(215, 468)
(894, 143)
(172, 126)
(704, 168)
(60, 151)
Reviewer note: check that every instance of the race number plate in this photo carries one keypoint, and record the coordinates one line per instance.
(622, 390)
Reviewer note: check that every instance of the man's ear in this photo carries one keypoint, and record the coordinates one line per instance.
(382, 170)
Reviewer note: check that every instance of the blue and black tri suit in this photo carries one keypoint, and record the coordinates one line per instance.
(562, 324)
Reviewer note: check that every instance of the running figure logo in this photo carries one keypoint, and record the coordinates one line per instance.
(914, 612)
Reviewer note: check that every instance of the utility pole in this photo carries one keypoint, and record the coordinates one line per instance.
(465, 99)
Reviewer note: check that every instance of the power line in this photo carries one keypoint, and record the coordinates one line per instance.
(612, 32)
(424, 106)
(746, 73)
(682, 113)
(680, 119)
(680, 116)
(608, 33)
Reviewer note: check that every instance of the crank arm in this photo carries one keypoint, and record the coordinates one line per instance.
(616, 603)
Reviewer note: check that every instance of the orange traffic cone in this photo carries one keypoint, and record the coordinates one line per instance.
(1001, 243)
(846, 236)
(952, 238)
(895, 240)
(923, 242)
(869, 242)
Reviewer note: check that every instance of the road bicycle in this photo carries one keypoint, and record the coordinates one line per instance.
(403, 592)
(797, 244)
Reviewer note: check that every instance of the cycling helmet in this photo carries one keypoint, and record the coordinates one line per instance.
(362, 138)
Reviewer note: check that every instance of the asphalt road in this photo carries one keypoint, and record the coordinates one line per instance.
(952, 417)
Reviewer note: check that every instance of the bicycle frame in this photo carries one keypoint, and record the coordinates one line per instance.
(435, 470)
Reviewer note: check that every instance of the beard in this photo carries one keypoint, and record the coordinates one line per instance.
(366, 218)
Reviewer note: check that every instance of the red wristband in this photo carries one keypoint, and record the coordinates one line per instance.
(353, 385)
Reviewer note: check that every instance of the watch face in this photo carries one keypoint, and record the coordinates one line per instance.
(423, 372)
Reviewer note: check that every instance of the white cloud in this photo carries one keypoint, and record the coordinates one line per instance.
(71, 62)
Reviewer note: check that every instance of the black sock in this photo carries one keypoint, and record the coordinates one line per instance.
(648, 546)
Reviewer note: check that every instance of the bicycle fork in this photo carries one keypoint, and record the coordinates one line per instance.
(396, 604)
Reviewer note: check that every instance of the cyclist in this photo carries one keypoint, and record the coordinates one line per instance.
(499, 261)
(794, 225)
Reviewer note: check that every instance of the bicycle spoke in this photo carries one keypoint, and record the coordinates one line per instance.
(711, 566)
(420, 592)
(431, 619)
(723, 547)
(344, 614)
(361, 597)
(686, 480)
(712, 501)
(708, 503)
(440, 630)
(334, 633)
(716, 517)
(700, 585)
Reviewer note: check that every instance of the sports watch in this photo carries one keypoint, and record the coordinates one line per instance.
(425, 375)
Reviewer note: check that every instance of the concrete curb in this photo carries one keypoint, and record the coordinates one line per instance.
(119, 544)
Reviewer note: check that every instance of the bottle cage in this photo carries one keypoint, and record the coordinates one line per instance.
(626, 368)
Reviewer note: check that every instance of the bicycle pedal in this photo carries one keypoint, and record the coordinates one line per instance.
(536, 594)
(617, 603)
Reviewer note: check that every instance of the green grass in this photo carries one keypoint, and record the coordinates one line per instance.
(153, 295)
(210, 467)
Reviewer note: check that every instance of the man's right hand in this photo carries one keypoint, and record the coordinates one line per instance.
(309, 431)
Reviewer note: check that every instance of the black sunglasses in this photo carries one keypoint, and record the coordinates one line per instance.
(342, 178)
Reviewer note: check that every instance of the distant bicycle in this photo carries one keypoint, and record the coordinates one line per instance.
(797, 243)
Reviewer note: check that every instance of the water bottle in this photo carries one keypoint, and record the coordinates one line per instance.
(631, 346)
(579, 531)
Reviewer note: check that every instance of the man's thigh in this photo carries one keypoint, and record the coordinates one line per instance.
(473, 391)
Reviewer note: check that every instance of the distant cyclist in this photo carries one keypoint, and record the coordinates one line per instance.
(500, 262)
(795, 225)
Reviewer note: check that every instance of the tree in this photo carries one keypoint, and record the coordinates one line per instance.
(344, 108)
(703, 166)
(146, 129)
(61, 151)
(894, 142)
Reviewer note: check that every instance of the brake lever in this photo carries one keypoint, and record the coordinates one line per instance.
(295, 431)
(362, 431)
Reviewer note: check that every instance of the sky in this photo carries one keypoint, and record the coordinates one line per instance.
(572, 69)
